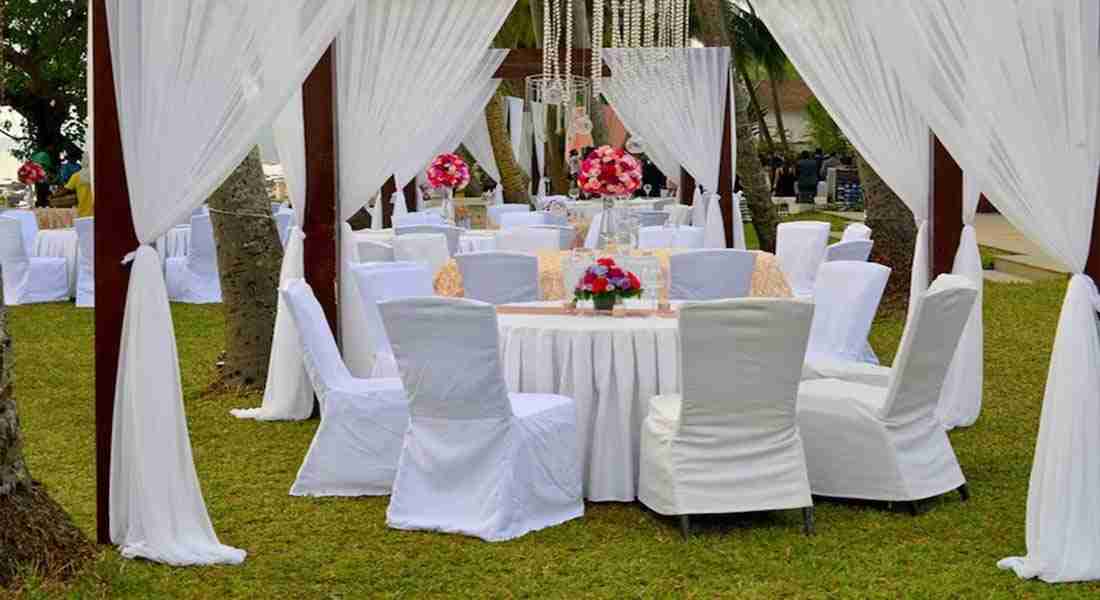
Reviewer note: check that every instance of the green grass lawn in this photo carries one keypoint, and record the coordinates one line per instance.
(337, 548)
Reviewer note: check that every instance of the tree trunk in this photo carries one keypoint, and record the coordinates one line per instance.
(513, 179)
(779, 116)
(894, 230)
(754, 107)
(35, 532)
(249, 259)
(472, 189)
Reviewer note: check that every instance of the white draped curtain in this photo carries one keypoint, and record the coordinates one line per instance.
(846, 67)
(628, 105)
(400, 65)
(480, 146)
(519, 130)
(538, 131)
(206, 76)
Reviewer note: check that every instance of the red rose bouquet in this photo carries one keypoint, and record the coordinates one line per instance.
(449, 171)
(604, 282)
(608, 171)
(31, 173)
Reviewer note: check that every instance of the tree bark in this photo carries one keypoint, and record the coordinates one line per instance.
(894, 229)
(754, 107)
(779, 116)
(13, 469)
(249, 258)
(513, 179)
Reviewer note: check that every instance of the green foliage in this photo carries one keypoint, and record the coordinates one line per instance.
(824, 132)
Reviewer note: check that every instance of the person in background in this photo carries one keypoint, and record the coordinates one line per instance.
(81, 183)
(819, 158)
(69, 166)
(807, 177)
(784, 182)
(832, 161)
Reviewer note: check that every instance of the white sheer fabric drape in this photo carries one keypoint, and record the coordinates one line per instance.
(400, 65)
(628, 104)
(480, 145)
(519, 130)
(196, 81)
(845, 65)
(288, 394)
(538, 131)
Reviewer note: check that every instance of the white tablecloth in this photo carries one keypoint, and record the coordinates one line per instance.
(611, 367)
(589, 208)
(477, 240)
(176, 242)
(59, 243)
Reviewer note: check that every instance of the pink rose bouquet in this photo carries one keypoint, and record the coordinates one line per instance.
(31, 173)
(608, 171)
(449, 171)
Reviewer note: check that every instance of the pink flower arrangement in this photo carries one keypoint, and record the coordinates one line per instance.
(449, 171)
(31, 173)
(605, 281)
(610, 171)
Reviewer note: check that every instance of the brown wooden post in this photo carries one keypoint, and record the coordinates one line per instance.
(388, 190)
(945, 209)
(410, 195)
(687, 187)
(725, 175)
(536, 175)
(322, 234)
(114, 238)
(1092, 267)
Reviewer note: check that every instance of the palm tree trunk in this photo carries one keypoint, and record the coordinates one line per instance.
(894, 229)
(512, 177)
(779, 115)
(249, 258)
(754, 107)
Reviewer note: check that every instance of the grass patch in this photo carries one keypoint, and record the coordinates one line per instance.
(341, 548)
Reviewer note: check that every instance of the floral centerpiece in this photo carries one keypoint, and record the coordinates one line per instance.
(605, 282)
(608, 171)
(31, 173)
(449, 172)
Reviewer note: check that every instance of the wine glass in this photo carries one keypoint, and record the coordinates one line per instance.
(647, 188)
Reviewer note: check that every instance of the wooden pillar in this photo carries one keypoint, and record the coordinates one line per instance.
(388, 190)
(536, 175)
(725, 174)
(945, 209)
(410, 195)
(1092, 267)
(687, 187)
(114, 238)
(322, 250)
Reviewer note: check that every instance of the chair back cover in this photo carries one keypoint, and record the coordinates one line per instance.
(528, 239)
(494, 212)
(428, 248)
(685, 236)
(509, 220)
(651, 218)
(858, 250)
(12, 248)
(567, 234)
(499, 277)
(202, 257)
(85, 275)
(678, 214)
(282, 224)
(322, 358)
(449, 357)
(451, 233)
(275, 208)
(846, 297)
(384, 281)
(856, 231)
(371, 251)
(710, 274)
(800, 250)
(927, 347)
(741, 365)
(417, 218)
(28, 227)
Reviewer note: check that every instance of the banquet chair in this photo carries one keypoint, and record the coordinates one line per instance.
(711, 274)
(885, 443)
(686, 236)
(651, 218)
(426, 248)
(663, 203)
(355, 448)
(276, 207)
(511, 220)
(29, 279)
(494, 212)
(193, 279)
(370, 251)
(379, 282)
(854, 250)
(528, 239)
(28, 227)
(451, 232)
(282, 225)
(417, 218)
(729, 442)
(477, 460)
(800, 250)
(856, 231)
(499, 277)
(846, 296)
(678, 214)
(85, 262)
(567, 234)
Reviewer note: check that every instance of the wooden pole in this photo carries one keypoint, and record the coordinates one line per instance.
(388, 190)
(725, 175)
(410, 195)
(945, 209)
(687, 187)
(1092, 266)
(322, 233)
(114, 238)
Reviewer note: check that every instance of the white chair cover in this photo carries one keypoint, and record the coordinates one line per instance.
(452, 234)
(885, 443)
(28, 279)
(528, 239)
(728, 442)
(800, 249)
(846, 297)
(85, 274)
(355, 449)
(417, 218)
(495, 211)
(476, 460)
(194, 279)
(651, 218)
(567, 234)
(499, 277)
(371, 251)
(856, 231)
(426, 248)
(857, 250)
(379, 282)
(678, 214)
(512, 219)
(710, 274)
(670, 237)
(28, 227)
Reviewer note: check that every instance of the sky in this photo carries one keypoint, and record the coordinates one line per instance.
(8, 164)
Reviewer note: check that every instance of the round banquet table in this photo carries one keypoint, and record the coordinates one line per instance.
(59, 243)
(767, 278)
(469, 241)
